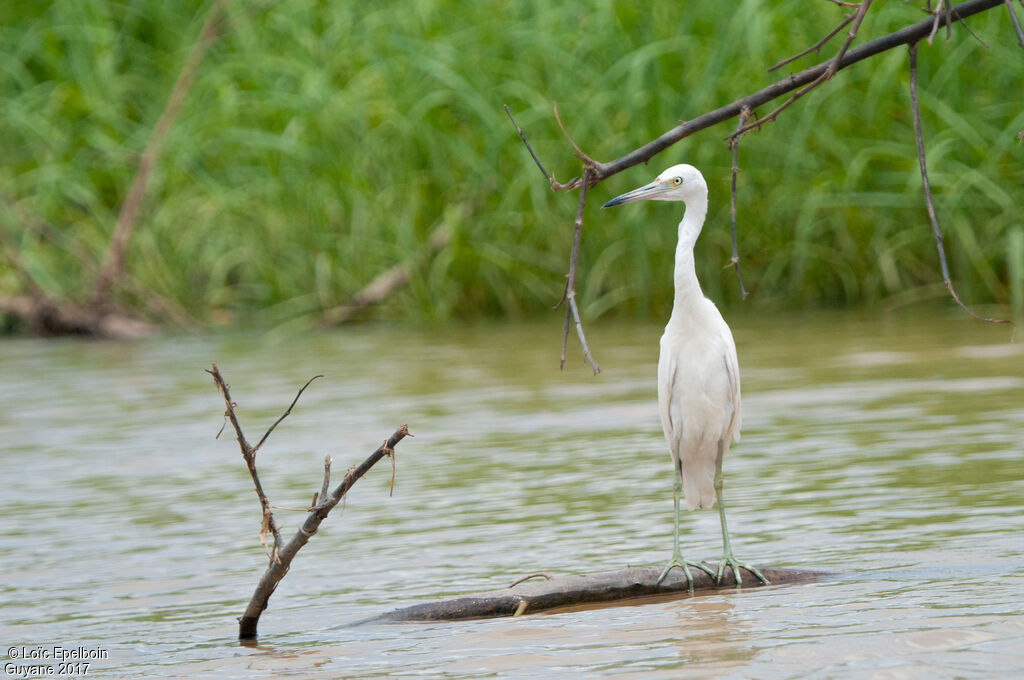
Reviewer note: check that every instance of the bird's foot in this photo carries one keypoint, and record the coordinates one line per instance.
(685, 566)
(731, 562)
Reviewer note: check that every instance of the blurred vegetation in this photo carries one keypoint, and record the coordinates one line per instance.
(322, 142)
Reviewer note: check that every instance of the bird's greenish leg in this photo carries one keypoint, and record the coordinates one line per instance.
(677, 556)
(727, 557)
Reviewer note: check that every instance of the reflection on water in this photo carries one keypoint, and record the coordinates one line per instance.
(888, 450)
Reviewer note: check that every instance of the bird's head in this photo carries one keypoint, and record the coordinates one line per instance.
(678, 183)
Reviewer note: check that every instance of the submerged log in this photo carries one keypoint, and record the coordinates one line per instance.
(568, 590)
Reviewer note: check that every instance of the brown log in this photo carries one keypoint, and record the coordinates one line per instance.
(569, 590)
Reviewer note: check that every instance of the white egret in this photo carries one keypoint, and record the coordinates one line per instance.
(698, 374)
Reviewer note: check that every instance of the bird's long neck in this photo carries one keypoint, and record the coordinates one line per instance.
(688, 290)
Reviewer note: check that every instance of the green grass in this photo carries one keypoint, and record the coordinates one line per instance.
(323, 142)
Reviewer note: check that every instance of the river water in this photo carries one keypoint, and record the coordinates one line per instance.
(886, 449)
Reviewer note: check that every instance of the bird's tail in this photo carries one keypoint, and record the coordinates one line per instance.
(698, 484)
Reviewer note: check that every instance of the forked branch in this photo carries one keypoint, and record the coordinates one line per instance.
(833, 66)
(282, 554)
(905, 36)
(798, 83)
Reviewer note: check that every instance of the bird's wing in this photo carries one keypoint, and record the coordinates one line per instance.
(666, 381)
(734, 419)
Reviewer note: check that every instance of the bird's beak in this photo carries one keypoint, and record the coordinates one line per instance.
(644, 193)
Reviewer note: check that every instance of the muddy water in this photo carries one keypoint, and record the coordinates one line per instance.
(888, 450)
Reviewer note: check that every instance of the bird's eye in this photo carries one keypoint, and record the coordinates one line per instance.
(677, 180)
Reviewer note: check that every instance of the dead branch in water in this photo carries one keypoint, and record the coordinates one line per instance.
(570, 590)
(99, 316)
(281, 554)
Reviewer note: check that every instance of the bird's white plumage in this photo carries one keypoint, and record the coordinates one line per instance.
(698, 396)
(698, 374)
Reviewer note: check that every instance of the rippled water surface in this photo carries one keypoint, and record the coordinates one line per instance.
(890, 451)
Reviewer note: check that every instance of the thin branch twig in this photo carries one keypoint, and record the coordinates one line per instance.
(735, 261)
(285, 414)
(1015, 22)
(327, 482)
(587, 160)
(816, 47)
(249, 454)
(113, 260)
(569, 296)
(555, 184)
(906, 35)
(522, 136)
(830, 70)
(918, 137)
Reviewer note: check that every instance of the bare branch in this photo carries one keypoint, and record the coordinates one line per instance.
(249, 454)
(904, 36)
(282, 554)
(113, 260)
(247, 623)
(569, 296)
(1015, 22)
(327, 479)
(587, 160)
(830, 70)
(522, 136)
(816, 47)
(928, 192)
(734, 144)
(285, 414)
(539, 574)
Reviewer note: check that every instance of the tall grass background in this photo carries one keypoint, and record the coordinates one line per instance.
(323, 142)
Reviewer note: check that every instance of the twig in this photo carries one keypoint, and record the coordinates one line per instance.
(816, 47)
(249, 454)
(1015, 22)
(547, 577)
(969, 31)
(918, 137)
(735, 261)
(587, 160)
(644, 153)
(285, 414)
(327, 482)
(554, 183)
(113, 260)
(569, 295)
(935, 20)
(830, 70)
(522, 136)
(390, 453)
